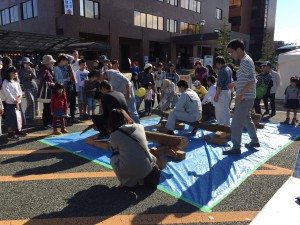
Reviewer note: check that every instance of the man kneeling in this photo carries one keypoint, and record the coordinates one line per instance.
(188, 108)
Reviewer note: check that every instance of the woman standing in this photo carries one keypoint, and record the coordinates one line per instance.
(46, 80)
(27, 78)
(172, 74)
(129, 160)
(13, 95)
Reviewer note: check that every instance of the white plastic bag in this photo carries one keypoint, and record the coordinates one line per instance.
(19, 119)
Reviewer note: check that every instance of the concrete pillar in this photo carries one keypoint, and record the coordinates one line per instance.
(195, 51)
(145, 45)
(115, 46)
(173, 56)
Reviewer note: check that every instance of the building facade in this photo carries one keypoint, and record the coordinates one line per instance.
(142, 30)
(255, 18)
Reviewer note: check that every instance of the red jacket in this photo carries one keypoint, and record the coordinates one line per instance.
(59, 102)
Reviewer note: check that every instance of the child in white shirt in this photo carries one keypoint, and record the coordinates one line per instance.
(81, 77)
(148, 99)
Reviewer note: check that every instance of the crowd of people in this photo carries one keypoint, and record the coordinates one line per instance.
(63, 83)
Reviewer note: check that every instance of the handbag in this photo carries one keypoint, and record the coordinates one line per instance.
(152, 179)
(44, 95)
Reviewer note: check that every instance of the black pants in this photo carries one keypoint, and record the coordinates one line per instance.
(100, 122)
(208, 112)
(71, 96)
(272, 102)
(257, 105)
(47, 117)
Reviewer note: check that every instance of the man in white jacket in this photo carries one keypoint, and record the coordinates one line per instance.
(188, 108)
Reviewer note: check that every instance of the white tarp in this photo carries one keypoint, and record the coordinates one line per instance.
(288, 66)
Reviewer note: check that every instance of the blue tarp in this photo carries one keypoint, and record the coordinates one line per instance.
(205, 177)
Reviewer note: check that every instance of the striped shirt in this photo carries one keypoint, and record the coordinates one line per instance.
(245, 74)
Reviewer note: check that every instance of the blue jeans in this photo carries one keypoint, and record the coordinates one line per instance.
(132, 108)
(91, 104)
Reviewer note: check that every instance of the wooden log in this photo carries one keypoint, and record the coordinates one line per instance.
(168, 140)
(99, 144)
(204, 126)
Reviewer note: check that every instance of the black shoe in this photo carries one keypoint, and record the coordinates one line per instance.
(232, 151)
(195, 130)
(287, 121)
(21, 133)
(252, 145)
(13, 138)
(170, 132)
(265, 113)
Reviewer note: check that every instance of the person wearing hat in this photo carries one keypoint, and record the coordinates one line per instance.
(188, 108)
(263, 86)
(267, 66)
(200, 89)
(27, 78)
(144, 78)
(47, 80)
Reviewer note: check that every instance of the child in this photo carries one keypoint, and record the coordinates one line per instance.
(292, 93)
(200, 90)
(13, 95)
(148, 99)
(81, 76)
(59, 108)
(90, 87)
(158, 76)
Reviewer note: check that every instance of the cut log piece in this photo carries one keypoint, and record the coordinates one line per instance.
(204, 126)
(178, 125)
(216, 140)
(163, 123)
(98, 144)
(160, 151)
(220, 134)
(168, 140)
(260, 125)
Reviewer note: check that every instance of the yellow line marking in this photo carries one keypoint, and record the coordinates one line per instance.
(24, 152)
(57, 176)
(176, 218)
(275, 170)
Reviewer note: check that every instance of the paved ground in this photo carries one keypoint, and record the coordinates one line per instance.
(38, 186)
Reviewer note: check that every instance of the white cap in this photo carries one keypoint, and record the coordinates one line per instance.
(147, 66)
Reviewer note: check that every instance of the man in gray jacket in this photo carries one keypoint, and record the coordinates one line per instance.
(267, 66)
(188, 108)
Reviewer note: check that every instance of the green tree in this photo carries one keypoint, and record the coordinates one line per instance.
(267, 47)
(223, 39)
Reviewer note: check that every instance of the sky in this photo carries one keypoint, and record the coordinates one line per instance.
(287, 25)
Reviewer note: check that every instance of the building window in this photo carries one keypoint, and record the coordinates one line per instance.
(172, 25)
(186, 28)
(148, 20)
(5, 17)
(29, 9)
(219, 14)
(14, 16)
(172, 2)
(89, 9)
(193, 5)
(161, 0)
